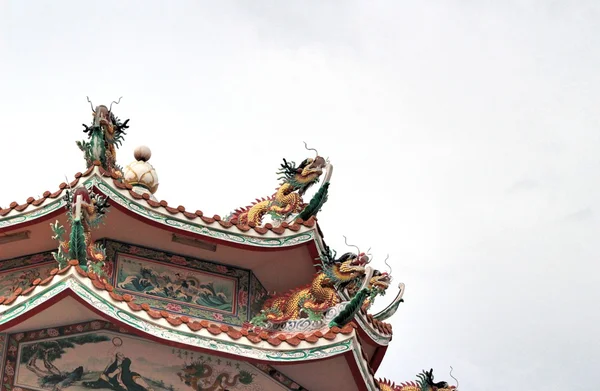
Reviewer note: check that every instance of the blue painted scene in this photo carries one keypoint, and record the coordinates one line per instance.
(178, 284)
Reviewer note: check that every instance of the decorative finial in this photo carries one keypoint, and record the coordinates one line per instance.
(140, 174)
(105, 135)
(142, 153)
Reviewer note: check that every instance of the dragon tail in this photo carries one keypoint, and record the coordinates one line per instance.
(241, 214)
(347, 314)
(316, 203)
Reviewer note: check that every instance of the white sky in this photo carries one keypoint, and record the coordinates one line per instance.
(464, 135)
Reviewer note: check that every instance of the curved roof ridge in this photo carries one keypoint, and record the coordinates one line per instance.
(179, 211)
(250, 333)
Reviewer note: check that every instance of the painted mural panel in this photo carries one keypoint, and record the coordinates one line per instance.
(22, 277)
(179, 284)
(99, 356)
(198, 289)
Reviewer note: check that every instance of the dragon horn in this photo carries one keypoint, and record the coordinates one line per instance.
(310, 149)
(351, 245)
(370, 255)
(117, 102)
(70, 190)
(67, 182)
(91, 104)
(451, 369)
(387, 264)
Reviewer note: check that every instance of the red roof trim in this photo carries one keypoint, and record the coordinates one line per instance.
(279, 230)
(355, 370)
(254, 335)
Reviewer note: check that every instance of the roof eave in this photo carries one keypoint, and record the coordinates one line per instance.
(163, 326)
(214, 228)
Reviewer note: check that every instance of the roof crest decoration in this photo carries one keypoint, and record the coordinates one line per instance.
(345, 286)
(86, 210)
(287, 203)
(105, 136)
(424, 383)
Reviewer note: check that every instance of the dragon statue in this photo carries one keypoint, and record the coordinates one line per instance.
(86, 211)
(105, 135)
(379, 282)
(425, 383)
(315, 299)
(287, 200)
(196, 375)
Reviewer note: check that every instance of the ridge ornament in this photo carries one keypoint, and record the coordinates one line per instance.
(105, 135)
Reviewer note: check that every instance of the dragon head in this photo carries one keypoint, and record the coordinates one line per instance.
(426, 380)
(380, 281)
(303, 176)
(424, 383)
(102, 116)
(378, 285)
(353, 265)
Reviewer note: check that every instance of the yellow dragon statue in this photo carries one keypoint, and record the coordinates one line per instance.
(424, 383)
(287, 200)
(314, 299)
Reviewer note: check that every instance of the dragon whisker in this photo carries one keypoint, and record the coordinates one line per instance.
(451, 369)
(91, 104)
(387, 264)
(117, 102)
(351, 245)
(310, 149)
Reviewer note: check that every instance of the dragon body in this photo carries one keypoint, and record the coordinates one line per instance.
(315, 298)
(105, 135)
(295, 180)
(80, 245)
(196, 376)
(424, 383)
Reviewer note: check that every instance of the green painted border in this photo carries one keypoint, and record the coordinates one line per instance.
(115, 196)
(186, 338)
(201, 229)
(363, 367)
(24, 217)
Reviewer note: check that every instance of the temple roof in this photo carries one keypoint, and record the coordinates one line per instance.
(252, 334)
(32, 204)
(251, 342)
(282, 222)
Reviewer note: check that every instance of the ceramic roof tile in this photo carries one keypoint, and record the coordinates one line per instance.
(383, 327)
(279, 229)
(254, 335)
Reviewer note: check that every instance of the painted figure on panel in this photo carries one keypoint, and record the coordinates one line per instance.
(95, 357)
(119, 377)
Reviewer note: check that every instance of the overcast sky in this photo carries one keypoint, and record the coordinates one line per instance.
(464, 135)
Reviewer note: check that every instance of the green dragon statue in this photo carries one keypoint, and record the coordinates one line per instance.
(105, 136)
(287, 200)
(86, 210)
(425, 383)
